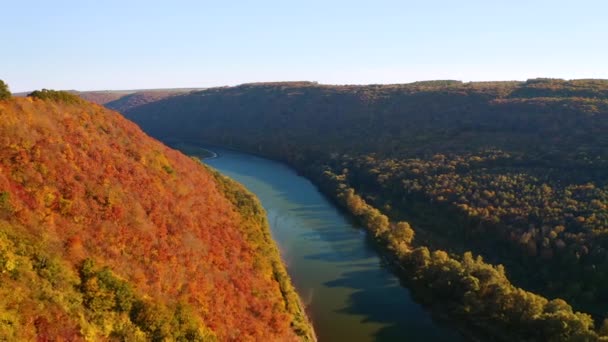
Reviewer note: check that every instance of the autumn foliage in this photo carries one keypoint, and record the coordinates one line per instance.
(107, 233)
(513, 171)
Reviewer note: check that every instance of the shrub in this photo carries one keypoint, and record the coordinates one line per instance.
(55, 95)
(5, 93)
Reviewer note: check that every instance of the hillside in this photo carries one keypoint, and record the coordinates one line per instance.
(140, 98)
(124, 100)
(512, 171)
(106, 234)
(102, 97)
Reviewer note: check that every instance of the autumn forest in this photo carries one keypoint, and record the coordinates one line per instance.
(489, 197)
(304, 171)
(488, 200)
(106, 234)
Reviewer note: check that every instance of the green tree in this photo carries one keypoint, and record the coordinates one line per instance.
(5, 93)
(55, 95)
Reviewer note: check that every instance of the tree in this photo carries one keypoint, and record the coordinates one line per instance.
(55, 95)
(5, 93)
(403, 232)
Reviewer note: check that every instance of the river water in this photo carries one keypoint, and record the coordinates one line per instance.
(350, 295)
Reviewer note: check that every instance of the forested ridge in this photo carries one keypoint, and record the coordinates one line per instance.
(107, 234)
(124, 100)
(512, 171)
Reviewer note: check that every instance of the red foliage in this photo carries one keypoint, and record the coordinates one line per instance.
(98, 187)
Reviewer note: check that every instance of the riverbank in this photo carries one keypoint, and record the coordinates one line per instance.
(466, 306)
(379, 249)
(191, 149)
(255, 219)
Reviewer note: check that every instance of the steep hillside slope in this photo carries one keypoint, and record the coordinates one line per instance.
(106, 233)
(418, 119)
(140, 98)
(102, 97)
(513, 171)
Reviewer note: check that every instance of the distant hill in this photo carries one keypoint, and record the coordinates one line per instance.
(140, 98)
(106, 234)
(421, 118)
(123, 100)
(516, 172)
(127, 99)
(102, 97)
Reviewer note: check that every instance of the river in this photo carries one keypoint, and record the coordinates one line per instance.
(350, 295)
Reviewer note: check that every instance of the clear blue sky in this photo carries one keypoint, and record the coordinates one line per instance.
(128, 44)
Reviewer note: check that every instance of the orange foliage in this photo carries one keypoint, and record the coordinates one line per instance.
(92, 185)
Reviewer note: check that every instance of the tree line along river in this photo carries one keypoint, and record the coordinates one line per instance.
(349, 293)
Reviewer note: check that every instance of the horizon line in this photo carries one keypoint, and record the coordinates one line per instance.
(194, 88)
